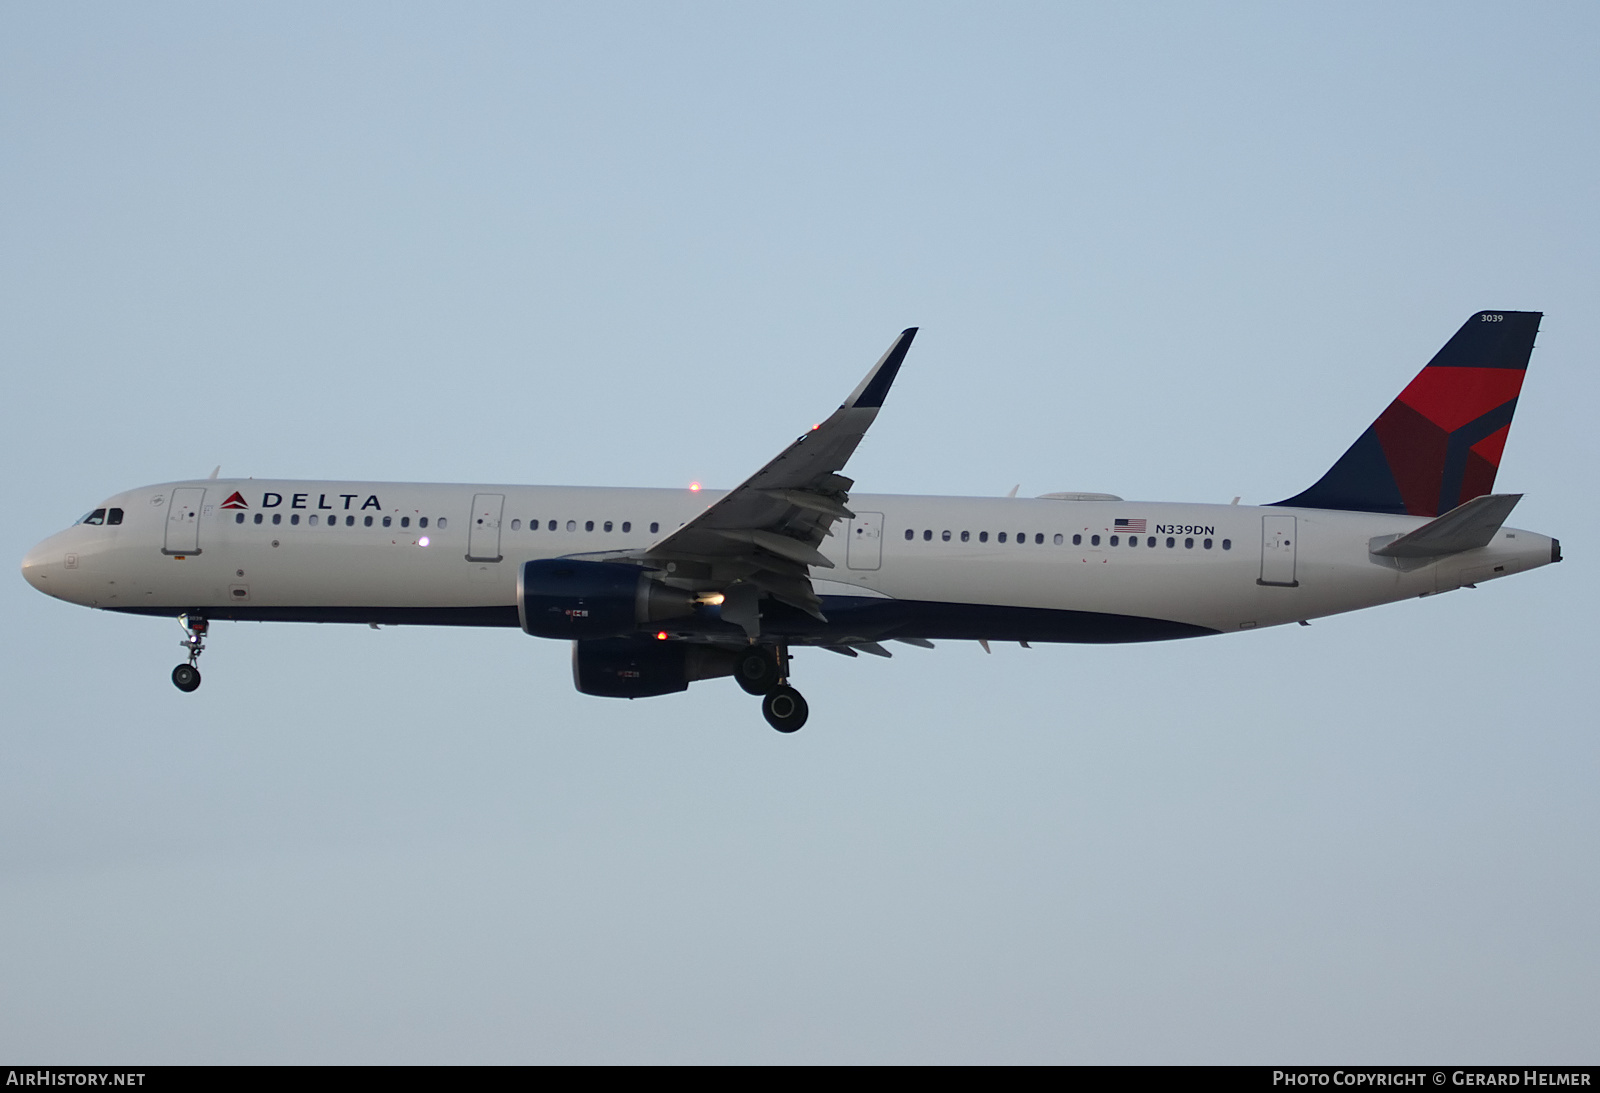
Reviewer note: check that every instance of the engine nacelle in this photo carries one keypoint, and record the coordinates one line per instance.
(566, 598)
(642, 667)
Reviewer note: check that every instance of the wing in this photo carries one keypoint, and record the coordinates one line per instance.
(762, 537)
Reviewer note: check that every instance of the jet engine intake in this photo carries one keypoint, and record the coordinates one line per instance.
(642, 667)
(566, 598)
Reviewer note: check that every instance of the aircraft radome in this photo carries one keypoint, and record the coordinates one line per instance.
(658, 588)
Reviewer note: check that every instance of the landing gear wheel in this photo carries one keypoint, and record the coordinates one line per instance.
(186, 677)
(784, 709)
(757, 670)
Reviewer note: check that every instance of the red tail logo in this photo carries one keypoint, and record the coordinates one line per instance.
(235, 501)
(1438, 445)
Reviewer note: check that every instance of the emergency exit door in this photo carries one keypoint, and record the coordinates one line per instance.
(483, 533)
(865, 546)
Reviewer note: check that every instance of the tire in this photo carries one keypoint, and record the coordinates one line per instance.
(186, 677)
(784, 709)
(756, 671)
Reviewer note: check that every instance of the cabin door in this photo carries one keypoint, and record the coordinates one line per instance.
(183, 521)
(483, 533)
(1278, 547)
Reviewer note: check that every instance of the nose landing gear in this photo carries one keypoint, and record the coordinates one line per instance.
(186, 677)
(764, 670)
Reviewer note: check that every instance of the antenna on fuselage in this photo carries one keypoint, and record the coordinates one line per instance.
(215, 471)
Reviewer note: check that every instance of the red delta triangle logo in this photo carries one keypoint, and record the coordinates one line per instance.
(235, 501)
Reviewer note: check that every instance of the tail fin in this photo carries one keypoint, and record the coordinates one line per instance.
(1438, 445)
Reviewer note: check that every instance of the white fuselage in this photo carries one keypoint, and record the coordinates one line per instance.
(349, 550)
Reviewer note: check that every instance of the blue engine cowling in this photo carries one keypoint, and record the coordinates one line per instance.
(567, 598)
(642, 667)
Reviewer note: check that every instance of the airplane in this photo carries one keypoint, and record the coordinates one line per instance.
(659, 588)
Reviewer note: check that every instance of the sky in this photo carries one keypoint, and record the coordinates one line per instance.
(1168, 251)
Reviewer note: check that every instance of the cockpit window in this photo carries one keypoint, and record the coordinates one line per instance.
(98, 516)
(113, 516)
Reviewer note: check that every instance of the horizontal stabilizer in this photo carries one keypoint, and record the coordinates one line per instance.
(1465, 527)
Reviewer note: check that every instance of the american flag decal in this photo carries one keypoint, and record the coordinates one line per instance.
(1134, 526)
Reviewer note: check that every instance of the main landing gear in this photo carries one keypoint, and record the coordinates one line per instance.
(186, 677)
(763, 670)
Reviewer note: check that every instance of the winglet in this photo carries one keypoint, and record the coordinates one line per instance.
(870, 393)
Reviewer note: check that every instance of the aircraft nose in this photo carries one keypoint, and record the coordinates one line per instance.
(40, 565)
(33, 566)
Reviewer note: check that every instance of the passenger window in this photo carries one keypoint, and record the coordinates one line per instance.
(312, 521)
(295, 519)
(654, 527)
(1171, 542)
(627, 526)
(910, 535)
(965, 536)
(1077, 540)
(258, 518)
(1094, 540)
(1038, 539)
(1022, 537)
(97, 517)
(551, 526)
(1188, 544)
(1150, 542)
(1115, 541)
(588, 525)
(422, 522)
(441, 522)
(1059, 540)
(238, 517)
(608, 525)
(366, 521)
(1000, 538)
(350, 521)
(1133, 540)
(386, 520)
(405, 521)
(1227, 544)
(572, 525)
(927, 536)
(945, 535)
(1206, 543)
(277, 518)
(983, 536)
(114, 517)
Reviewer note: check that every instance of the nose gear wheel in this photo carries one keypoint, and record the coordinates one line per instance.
(186, 677)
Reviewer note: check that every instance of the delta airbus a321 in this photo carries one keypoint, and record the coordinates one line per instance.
(659, 588)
